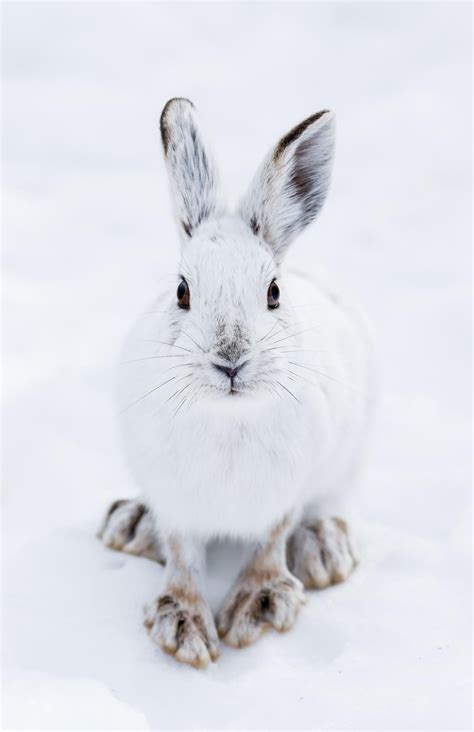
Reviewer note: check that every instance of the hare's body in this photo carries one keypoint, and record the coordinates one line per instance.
(234, 467)
(244, 399)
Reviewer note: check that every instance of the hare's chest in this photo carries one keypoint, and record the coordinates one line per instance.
(228, 478)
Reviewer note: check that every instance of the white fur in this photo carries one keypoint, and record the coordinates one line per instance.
(212, 463)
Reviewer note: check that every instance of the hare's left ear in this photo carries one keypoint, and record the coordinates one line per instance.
(291, 185)
(191, 169)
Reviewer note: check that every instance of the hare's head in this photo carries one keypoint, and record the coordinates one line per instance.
(227, 306)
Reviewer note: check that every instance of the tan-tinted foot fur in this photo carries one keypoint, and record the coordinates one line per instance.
(182, 624)
(266, 595)
(129, 527)
(255, 606)
(322, 553)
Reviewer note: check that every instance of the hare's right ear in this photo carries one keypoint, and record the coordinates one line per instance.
(290, 187)
(191, 170)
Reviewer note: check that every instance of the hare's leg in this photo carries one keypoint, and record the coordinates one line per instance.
(129, 527)
(321, 551)
(180, 620)
(265, 595)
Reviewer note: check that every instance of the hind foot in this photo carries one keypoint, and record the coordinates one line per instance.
(265, 595)
(322, 553)
(182, 624)
(129, 527)
(257, 604)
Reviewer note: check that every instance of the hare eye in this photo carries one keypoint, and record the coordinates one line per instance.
(182, 293)
(273, 296)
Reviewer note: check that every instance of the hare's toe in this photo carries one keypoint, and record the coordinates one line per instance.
(128, 527)
(183, 627)
(254, 606)
(322, 554)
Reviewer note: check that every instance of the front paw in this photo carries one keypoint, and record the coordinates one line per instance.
(256, 604)
(322, 554)
(182, 624)
(129, 527)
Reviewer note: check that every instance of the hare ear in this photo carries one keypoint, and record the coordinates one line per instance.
(191, 170)
(291, 185)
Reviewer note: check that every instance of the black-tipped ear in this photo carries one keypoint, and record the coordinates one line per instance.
(191, 170)
(291, 185)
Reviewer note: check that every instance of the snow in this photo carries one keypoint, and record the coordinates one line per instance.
(88, 234)
(56, 702)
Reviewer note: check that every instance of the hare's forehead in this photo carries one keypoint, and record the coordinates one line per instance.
(227, 260)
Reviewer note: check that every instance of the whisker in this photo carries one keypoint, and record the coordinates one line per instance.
(302, 377)
(181, 365)
(331, 378)
(143, 396)
(268, 332)
(304, 350)
(293, 335)
(173, 345)
(290, 335)
(147, 358)
(297, 350)
(192, 398)
(289, 392)
(195, 343)
(292, 325)
(181, 404)
(179, 391)
(273, 391)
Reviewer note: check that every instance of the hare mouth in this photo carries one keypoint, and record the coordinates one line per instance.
(236, 391)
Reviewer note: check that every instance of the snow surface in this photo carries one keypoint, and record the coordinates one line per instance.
(88, 234)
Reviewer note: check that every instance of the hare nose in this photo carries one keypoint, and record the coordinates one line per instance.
(230, 371)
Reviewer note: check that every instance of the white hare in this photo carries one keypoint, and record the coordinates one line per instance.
(243, 414)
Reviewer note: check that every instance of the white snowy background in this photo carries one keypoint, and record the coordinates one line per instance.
(87, 234)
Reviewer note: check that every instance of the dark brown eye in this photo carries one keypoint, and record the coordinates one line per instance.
(273, 296)
(182, 293)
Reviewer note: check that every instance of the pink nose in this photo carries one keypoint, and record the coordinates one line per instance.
(230, 371)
